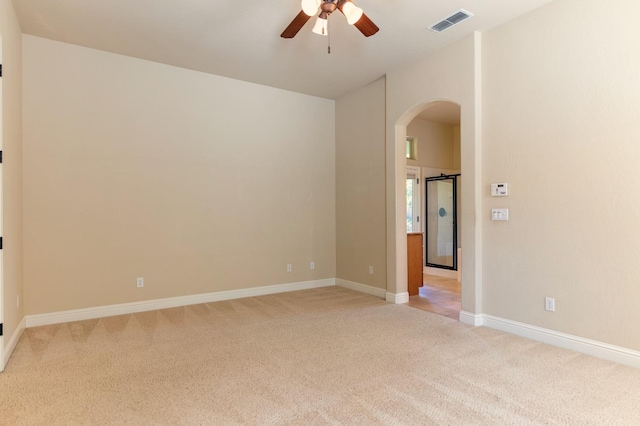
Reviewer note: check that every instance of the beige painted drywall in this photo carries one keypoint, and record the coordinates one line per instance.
(435, 144)
(360, 181)
(195, 182)
(456, 147)
(452, 74)
(561, 101)
(12, 283)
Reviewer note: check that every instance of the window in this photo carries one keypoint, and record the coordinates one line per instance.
(413, 199)
(412, 149)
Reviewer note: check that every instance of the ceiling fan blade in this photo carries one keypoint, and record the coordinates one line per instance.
(295, 25)
(366, 26)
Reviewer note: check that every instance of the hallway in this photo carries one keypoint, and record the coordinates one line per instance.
(438, 295)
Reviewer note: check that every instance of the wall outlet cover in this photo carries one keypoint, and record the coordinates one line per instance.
(550, 304)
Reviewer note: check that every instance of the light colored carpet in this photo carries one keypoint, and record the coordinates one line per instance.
(323, 356)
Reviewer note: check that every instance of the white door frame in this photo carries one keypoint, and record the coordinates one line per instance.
(2, 354)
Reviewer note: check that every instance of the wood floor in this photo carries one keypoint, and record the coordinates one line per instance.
(438, 295)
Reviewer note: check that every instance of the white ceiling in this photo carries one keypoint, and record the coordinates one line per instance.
(241, 38)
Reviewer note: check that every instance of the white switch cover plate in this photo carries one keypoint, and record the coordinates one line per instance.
(499, 214)
(499, 189)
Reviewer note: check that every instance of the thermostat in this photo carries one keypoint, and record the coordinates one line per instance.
(499, 189)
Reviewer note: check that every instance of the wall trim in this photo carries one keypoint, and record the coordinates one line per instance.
(397, 298)
(362, 288)
(595, 348)
(171, 302)
(470, 319)
(11, 344)
(439, 272)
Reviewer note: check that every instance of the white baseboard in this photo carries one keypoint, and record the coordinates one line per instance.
(362, 288)
(470, 319)
(439, 272)
(11, 344)
(397, 298)
(172, 302)
(579, 344)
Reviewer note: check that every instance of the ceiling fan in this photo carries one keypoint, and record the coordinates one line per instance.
(355, 16)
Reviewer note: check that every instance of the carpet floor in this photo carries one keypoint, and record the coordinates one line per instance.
(321, 356)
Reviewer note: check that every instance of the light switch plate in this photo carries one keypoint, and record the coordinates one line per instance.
(499, 189)
(499, 214)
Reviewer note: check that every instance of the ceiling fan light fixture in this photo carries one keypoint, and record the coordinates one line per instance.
(352, 12)
(321, 26)
(310, 7)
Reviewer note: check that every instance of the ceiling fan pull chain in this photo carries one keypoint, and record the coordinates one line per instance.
(328, 36)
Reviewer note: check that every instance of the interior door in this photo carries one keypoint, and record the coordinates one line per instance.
(441, 230)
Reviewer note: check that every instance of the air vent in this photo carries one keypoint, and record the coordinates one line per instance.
(441, 26)
(450, 21)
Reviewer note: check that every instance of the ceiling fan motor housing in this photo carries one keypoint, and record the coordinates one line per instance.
(329, 6)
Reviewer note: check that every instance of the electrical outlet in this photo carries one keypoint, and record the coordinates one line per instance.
(312, 265)
(550, 304)
(289, 268)
(140, 282)
(370, 270)
(17, 301)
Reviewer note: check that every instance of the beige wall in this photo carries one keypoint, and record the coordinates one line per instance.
(195, 182)
(435, 144)
(360, 209)
(456, 147)
(561, 124)
(12, 284)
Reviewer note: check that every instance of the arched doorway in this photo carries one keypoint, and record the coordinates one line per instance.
(433, 205)
(470, 221)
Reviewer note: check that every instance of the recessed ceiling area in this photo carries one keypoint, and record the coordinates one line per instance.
(442, 112)
(241, 39)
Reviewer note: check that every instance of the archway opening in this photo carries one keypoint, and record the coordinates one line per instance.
(433, 182)
(397, 289)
